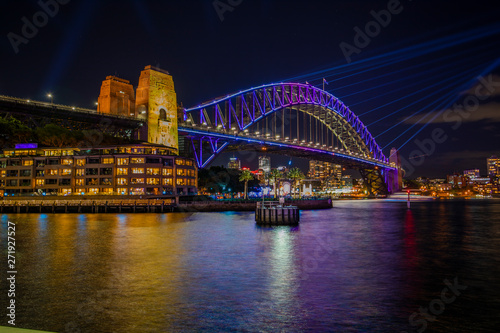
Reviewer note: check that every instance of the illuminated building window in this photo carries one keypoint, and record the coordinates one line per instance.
(137, 170)
(121, 181)
(79, 182)
(181, 172)
(189, 163)
(153, 171)
(93, 190)
(108, 160)
(167, 172)
(107, 191)
(40, 182)
(51, 172)
(80, 172)
(179, 161)
(65, 172)
(67, 161)
(122, 161)
(134, 181)
(80, 162)
(65, 191)
(80, 191)
(167, 181)
(153, 181)
(122, 190)
(121, 171)
(137, 160)
(27, 162)
(181, 181)
(136, 191)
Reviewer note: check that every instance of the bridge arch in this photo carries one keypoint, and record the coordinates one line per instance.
(237, 113)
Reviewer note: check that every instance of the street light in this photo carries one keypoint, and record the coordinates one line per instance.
(49, 95)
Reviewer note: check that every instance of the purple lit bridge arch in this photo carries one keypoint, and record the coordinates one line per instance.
(292, 119)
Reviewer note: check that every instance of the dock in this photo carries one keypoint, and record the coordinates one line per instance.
(274, 213)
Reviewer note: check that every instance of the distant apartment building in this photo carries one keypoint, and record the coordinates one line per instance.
(234, 163)
(457, 180)
(493, 166)
(472, 174)
(133, 169)
(265, 163)
(329, 173)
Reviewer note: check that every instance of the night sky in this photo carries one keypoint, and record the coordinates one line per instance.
(424, 62)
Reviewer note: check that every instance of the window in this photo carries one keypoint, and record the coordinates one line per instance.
(122, 161)
(65, 181)
(53, 161)
(121, 171)
(93, 160)
(181, 181)
(65, 191)
(150, 160)
(79, 182)
(40, 182)
(27, 162)
(181, 172)
(153, 181)
(65, 172)
(25, 173)
(189, 163)
(137, 170)
(91, 181)
(106, 171)
(66, 161)
(137, 160)
(136, 191)
(40, 173)
(12, 182)
(80, 172)
(15, 163)
(108, 160)
(122, 190)
(153, 171)
(106, 181)
(134, 181)
(179, 161)
(93, 191)
(167, 162)
(51, 182)
(107, 190)
(40, 163)
(167, 172)
(91, 171)
(12, 173)
(25, 182)
(51, 172)
(121, 181)
(80, 162)
(167, 181)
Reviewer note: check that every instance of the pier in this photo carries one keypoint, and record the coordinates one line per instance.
(273, 213)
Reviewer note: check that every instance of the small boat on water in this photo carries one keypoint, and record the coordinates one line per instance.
(403, 196)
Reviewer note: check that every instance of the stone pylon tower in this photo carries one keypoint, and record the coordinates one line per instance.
(395, 181)
(156, 102)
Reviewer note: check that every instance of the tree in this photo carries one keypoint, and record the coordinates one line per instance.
(13, 131)
(274, 175)
(296, 175)
(245, 177)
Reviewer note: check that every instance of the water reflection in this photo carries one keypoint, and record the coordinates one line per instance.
(362, 266)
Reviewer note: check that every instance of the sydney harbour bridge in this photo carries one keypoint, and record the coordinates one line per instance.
(291, 119)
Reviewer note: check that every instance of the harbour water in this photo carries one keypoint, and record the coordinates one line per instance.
(363, 266)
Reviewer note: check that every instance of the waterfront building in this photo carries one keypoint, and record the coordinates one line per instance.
(457, 180)
(130, 169)
(472, 174)
(265, 163)
(329, 174)
(234, 163)
(493, 167)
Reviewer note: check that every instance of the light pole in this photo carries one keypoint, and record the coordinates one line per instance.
(49, 95)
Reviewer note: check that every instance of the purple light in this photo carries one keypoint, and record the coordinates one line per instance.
(26, 145)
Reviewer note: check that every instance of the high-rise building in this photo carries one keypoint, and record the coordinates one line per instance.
(265, 163)
(234, 163)
(493, 165)
(472, 174)
(116, 97)
(329, 173)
